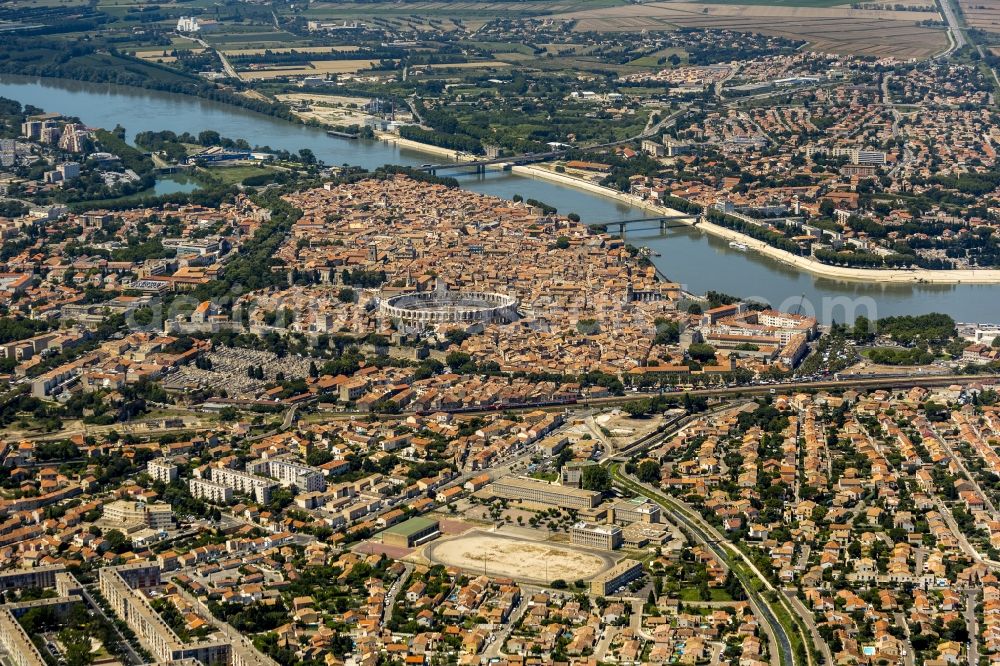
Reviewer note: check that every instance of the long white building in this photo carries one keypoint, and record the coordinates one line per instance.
(303, 477)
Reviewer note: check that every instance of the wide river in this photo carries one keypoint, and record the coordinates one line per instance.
(698, 261)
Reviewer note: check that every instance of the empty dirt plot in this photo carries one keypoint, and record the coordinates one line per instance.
(516, 557)
(877, 32)
(329, 109)
(982, 14)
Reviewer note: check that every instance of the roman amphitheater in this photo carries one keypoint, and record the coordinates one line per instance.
(442, 306)
(517, 557)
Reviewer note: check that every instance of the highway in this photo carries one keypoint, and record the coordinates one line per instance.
(954, 27)
(228, 68)
(703, 534)
(756, 600)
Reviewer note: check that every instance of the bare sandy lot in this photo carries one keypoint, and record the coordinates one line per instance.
(323, 98)
(516, 557)
(330, 109)
(878, 32)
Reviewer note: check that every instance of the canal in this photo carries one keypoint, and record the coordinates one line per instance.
(696, 260)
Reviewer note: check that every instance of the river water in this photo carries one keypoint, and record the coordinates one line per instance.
(698, 261)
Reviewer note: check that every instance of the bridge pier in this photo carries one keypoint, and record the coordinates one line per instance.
(621, 228)
(480, 169)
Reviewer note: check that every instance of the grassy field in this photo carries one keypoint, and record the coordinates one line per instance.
(652, 60)
(235, 174)
(691, 594)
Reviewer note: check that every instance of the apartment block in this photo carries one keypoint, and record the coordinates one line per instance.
(16, 642)
(210, 491)
(162, 469)
(37, 577)
(127, 514)
(123, 587)
(303, 477)
(244, 483)
(621, 574)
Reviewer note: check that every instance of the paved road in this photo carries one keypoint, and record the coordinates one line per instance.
(963, 541)
(601, 649)
(954, 27)
(492, 651)
(229, 69)
(764, 389)
(810, 621)
(972, 623)
(960, 462)
(761, 609)
(901, 382)
(390, 599)
(907, 646)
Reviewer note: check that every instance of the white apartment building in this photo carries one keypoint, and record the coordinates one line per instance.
(258, 487)
(210, 491)
(162, 469)
(127, 514)
(303, 477)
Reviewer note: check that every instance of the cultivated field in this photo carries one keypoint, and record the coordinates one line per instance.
(982, 14)
(157, 54)
(297, 49)
(440, 9)
(318, 68)
(877, 32)
(516, 557)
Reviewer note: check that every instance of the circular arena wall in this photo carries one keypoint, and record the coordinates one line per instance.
(437, 307)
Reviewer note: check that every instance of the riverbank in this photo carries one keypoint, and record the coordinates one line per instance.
(819, 269)
(416, 146)
(700, 262)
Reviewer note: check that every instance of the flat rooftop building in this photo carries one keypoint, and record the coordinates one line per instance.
(411, 532)
(621, 574)
(531, 490)
(638, 510)
(606, 537)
